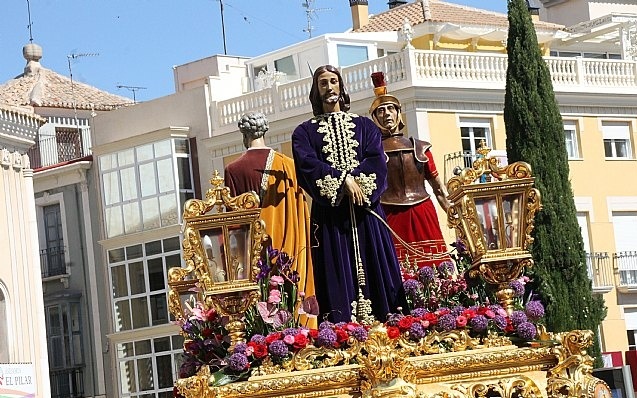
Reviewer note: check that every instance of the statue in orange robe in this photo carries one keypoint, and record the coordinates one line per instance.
(283, 203)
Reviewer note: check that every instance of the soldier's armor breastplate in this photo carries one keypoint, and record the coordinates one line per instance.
(406, 162)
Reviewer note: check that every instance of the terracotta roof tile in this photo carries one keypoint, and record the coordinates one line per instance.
(46, 88)
(441, 11)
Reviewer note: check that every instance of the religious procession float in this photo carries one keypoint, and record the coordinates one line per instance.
(469, 331)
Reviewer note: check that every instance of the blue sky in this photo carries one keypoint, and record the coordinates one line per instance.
(139, 41)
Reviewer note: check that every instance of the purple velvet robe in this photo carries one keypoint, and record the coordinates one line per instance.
(326, 149)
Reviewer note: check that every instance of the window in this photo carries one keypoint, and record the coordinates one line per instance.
(625, 231)
(350, 55)
(52, 259)
(144, 178)
(149, 367)
(4, 329)
(617, 140)
(286, 65)
(571, 136)
(138, 275)
(66, 355)
(473, 133)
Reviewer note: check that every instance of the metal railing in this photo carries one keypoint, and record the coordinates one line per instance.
(455, 162)
(67, 383)
(61, 145)
(600, 270)
(53, 261)
(626, 264)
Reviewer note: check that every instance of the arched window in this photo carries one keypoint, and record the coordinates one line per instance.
(4, 328)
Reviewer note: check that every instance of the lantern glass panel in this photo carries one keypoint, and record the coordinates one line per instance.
(239, 251)
(212, 240)
(512, 212)
(487, 211)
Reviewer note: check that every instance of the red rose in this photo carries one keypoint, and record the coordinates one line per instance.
(469, 313)
(393, 332)
(272, 337)
(482, 310)
(207, 332)
(313, 333)
(191, 347)
(300, 341)
(431, 318)
(509, 328)
(341, 335)
(405, 323)
(258, 350)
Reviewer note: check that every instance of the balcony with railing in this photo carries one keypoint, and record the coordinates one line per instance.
(600, 270)
(426, 68)
(67, 383)
(626, 265)
(56, 145)
(53, 262)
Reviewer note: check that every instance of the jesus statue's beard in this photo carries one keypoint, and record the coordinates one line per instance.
(331, 98)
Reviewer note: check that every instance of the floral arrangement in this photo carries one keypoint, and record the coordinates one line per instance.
(443, 298)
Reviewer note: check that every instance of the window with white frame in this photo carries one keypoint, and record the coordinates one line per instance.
(474, 131)
(571, 137)
(350, 55)
(286, 65)
(148, 368)
(617, 140)
(156, 177)
(138, 276)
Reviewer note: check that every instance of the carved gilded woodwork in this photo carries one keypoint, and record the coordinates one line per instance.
(222, 245)
(384, 367)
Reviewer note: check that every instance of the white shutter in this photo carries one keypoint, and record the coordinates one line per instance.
(630, 317)
(625, 228)
(616, 131)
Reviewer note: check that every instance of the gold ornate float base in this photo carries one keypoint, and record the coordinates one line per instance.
(556, 367)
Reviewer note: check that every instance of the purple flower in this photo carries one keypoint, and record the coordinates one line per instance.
(284, 261)
(187, 326)
(326, 325)
(340, 324)
(518, 288)
(326, 338)
(264, 270)
(534, 310)
(500, 322)
(294, 277)
(458, 310)
(526, 330)
(412, 287)
(290, 332)
(258, 339)
(237, 362)
(240, 348)
(518, 317)
(426, 275)
(272, 253)
(392, 319)
(359, 333)
(278, 348)
(417, 331)
(446, 268)
(447, 322)
(460, 246)
(419, 312)
(479, 323)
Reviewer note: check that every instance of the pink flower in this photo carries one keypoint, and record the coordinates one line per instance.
(249, 351)
(502, 312)
(489, 314)
(425, 324)
(461, 321)
(305, 332)
(275, 296)
(276, 280)
(289, 339)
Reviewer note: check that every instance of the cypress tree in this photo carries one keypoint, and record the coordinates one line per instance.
(535, 134)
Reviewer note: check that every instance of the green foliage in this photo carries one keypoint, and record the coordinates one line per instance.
(535, 134)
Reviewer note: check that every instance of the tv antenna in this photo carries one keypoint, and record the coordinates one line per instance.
(310, 14)
(133, 89)
(223, 28)
(30, 23)
(69, 58)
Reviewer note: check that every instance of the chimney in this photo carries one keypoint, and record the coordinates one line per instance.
(534, 10)
(396, 3)
(360, 13)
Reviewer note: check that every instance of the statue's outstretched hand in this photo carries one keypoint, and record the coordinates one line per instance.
(354, 190)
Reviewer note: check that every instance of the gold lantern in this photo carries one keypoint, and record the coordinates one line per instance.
(493, 213)
(221, 252)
